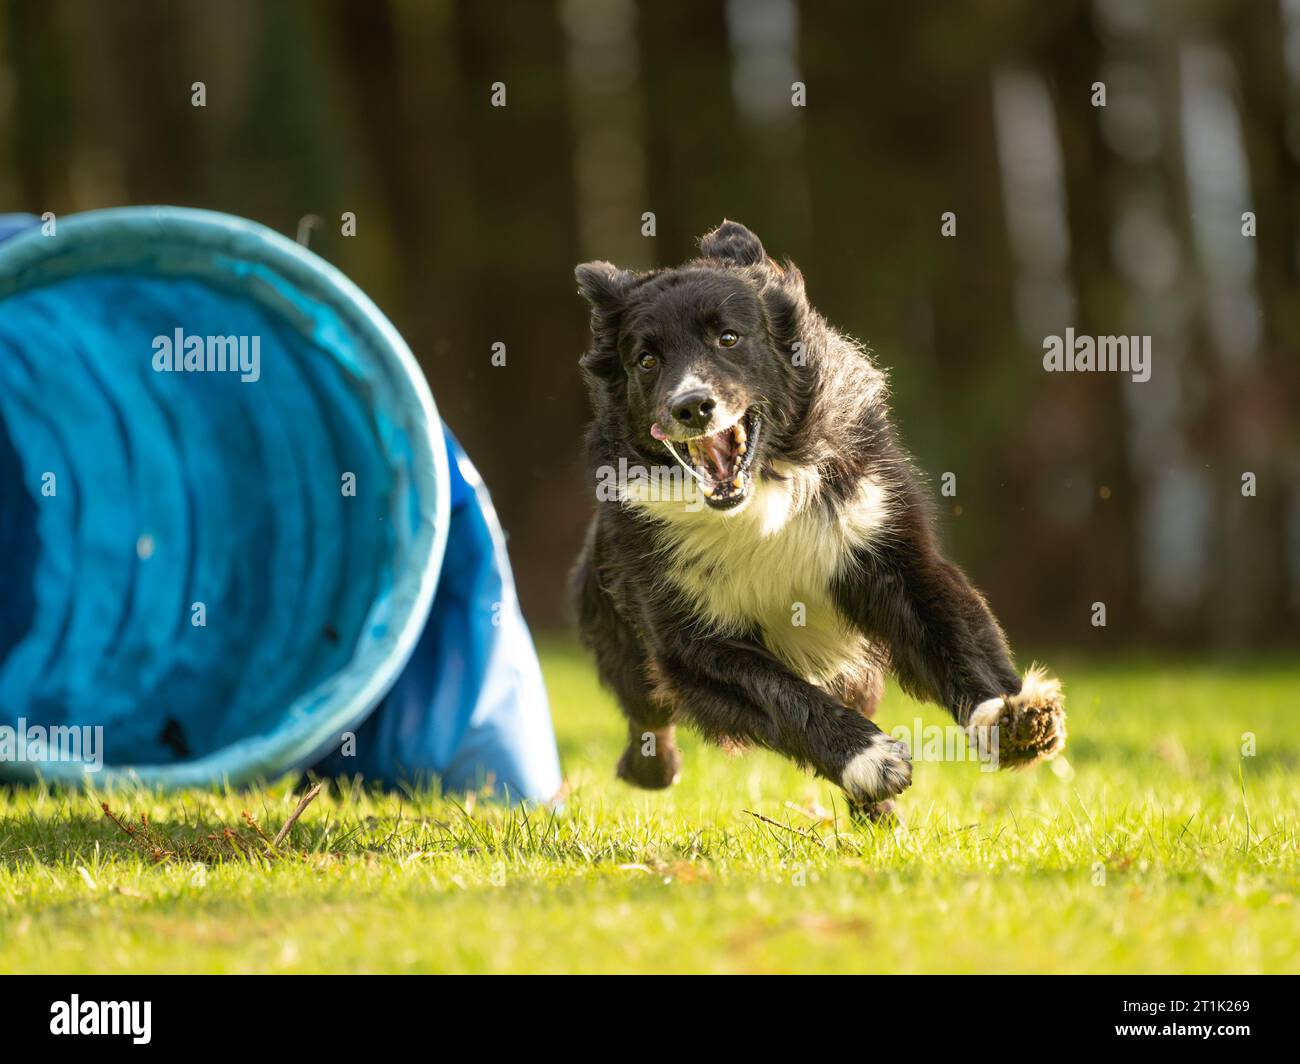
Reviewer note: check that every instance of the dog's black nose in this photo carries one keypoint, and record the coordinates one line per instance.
(693, 409)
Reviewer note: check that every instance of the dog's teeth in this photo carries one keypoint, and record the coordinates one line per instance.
(741, 449)
(740, 433)
(738, 482)
(695, 473)
(707, 490)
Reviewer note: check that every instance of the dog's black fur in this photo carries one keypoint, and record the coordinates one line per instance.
(687, 612)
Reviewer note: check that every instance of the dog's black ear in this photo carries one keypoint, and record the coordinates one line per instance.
(732, 242)
(787, 307)
(603, 284)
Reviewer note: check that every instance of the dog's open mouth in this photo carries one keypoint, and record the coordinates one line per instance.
(721, 462)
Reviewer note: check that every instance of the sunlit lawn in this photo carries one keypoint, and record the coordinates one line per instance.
(1154, 846)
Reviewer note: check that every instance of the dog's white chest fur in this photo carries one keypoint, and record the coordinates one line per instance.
(771, 566)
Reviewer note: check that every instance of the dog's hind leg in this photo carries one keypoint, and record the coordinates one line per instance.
(945, 646)
(651, 758)
(860, 687)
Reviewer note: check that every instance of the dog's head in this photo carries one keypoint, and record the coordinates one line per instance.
(702, 361)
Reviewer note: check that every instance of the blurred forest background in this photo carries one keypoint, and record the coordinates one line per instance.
(1124, 219)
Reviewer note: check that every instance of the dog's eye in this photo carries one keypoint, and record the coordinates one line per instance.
(646, 360)
(728, 339)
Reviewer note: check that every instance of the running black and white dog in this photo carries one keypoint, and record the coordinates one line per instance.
(763, 601)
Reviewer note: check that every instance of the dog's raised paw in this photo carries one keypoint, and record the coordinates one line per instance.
(1015, 731)
(878, 773)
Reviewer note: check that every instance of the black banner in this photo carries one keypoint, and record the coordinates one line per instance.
(336, 1013)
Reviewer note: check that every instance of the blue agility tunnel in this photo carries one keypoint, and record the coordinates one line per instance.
(234, 533)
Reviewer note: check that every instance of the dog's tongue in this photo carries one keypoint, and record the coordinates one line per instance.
(718, 451)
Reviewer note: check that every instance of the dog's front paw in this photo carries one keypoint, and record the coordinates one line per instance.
(1017, 730)
(651, 761)
(878, 773)
(885, 814)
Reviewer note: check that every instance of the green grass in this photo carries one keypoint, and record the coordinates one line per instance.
(1155, 846)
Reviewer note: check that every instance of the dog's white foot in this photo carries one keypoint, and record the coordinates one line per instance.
(881, 771)
(1015, 731)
